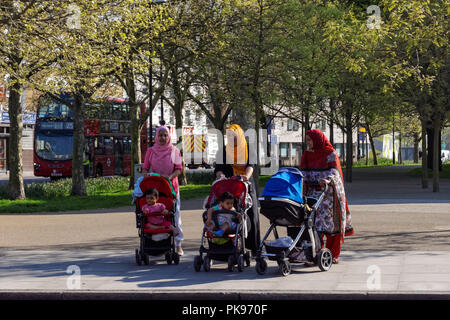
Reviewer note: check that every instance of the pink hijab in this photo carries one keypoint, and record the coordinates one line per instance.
(163, 159)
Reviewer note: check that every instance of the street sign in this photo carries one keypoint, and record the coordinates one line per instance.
(27, 117)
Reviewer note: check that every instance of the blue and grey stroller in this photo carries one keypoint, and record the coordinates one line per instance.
(283, 203)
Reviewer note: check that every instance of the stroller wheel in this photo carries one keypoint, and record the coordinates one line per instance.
(168, 258)
(240, 263)
(261, 266)
(207, 264)
(324, 259)
(231, 263)
(145, 258)
(138, 258)
(197, 263)
(285, 268)
(175, 258)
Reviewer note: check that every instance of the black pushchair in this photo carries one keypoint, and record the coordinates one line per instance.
(284, 205)
(231, 246)
(156, 242)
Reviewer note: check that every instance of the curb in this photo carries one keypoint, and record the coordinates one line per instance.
(204, 295)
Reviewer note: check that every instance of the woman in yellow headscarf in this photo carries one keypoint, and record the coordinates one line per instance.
(236, 163)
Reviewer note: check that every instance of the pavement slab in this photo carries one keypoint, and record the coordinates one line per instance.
(391, 272)
(401, 250)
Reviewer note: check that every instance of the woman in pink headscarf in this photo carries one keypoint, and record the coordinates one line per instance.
(165, 159)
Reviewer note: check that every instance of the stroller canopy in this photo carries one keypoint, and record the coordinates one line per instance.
(236, 187)
(286, 183)
(164, 187)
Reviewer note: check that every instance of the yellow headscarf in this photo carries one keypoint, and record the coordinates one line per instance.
(237, 153)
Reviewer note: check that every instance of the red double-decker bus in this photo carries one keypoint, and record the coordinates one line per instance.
(107, 139)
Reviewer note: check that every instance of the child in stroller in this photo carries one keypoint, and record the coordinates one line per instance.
(155, 211)
(227, 242)
(224, 221)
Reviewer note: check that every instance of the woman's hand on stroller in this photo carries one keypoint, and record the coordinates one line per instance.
(165, 212)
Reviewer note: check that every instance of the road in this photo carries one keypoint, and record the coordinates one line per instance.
(400, 227)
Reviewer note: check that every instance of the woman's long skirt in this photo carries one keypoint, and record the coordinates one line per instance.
(253, 238)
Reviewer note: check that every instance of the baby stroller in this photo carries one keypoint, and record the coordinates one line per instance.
(156, 242)
(284, 205)
(231, 246)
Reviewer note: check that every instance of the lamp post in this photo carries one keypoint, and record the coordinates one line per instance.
(162, 122)
(150, 85)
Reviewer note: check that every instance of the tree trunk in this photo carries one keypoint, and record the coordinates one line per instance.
(16, 189)
(349, 156)
(134, 126)
(135, 140)
(179, 126)
(344, 153)
(424, 156)
(393, 141)
(372, 146)
(436, 153)
(430, 145)
(400, 158)
(332, 108)
(416, 147)
(78, 182)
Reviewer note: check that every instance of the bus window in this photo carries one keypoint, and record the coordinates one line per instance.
(127, 145)
(49, 108)
(54, 146)
(116, 112)
(99, 146)
(109, 146)
(126, 111)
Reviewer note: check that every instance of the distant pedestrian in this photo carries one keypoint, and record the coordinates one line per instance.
(165, 159)
(320, 165)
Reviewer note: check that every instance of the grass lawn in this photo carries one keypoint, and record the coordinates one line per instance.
(113, 193)
(444, 174)
(382, 162)
(67, 203)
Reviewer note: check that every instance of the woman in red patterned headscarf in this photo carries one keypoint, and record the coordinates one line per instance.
(320, 165)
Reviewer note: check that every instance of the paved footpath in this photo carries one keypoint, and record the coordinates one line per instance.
(401, 249)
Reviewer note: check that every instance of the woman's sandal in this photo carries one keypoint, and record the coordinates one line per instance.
(335, 261)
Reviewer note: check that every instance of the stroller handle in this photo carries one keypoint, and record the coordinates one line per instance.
(322, 195)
